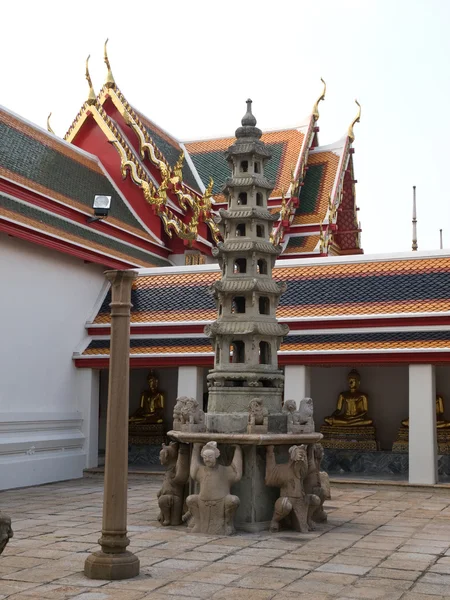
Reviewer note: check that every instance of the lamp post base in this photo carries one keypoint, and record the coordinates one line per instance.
(102, 565)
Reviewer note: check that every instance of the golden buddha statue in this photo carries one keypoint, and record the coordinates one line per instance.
(151, 406)
(441, 423)
(352, 406)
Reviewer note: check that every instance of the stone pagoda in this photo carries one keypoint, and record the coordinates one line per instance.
(246, 334)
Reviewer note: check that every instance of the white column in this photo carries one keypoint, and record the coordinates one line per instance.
(88, 403)
(297, 383)
(422, 424)
(190, 383)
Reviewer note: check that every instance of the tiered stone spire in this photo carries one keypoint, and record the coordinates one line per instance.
(246, 334)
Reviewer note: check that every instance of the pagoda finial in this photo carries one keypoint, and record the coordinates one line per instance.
(109, 77)
(49, 127)
(414, 222)
(319, 99)
(248, 120)
(92, 97)
(357, 119)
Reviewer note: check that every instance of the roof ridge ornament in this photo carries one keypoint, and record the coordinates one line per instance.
(92, 97)
(351, 134)
(49, 127)
(248, 120)
(109, 77)
(315, 111)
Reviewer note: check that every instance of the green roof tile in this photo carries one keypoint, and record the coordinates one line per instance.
(310, 191)
(45, 166)
(70, 227)
(213, 164)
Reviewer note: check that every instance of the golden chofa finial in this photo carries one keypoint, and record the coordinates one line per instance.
(109, 77)
(319, 99)
(49, 127)
(350, 133)
(91, 98)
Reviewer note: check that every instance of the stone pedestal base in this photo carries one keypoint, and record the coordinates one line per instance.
(256, 499)
(352, 438)
(146, 433)
(236, 399)
(402, 442)
(100, 565)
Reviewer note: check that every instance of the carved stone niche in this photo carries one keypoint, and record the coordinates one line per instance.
(258, 417)
(6, 532)
(301, 420)
(188, 416)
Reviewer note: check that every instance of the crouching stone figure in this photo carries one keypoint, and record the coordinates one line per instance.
(175, 457)
(213, 508)
(293, 504)
(6, 532)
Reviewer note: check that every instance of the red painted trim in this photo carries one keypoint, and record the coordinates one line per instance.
(148, 329)
(136, 363)
(362, 359)
(68, 212)
(61, 246)
(356, 324)
(315, 359)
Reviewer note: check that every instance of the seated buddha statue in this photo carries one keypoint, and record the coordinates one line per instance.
(441, 423)
(352, 406)
(151, 406)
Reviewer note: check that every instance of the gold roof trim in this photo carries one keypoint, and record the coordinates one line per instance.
(109, 77)
(92, 97)
(49, 127)
(315, 111)
(357, 119)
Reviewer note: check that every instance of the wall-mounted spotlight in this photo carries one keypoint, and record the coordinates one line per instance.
(101, 206)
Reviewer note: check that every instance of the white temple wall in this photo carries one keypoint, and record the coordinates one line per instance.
(45, 301)
(386, 386)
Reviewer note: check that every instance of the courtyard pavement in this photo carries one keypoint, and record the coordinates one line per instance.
(380, 542)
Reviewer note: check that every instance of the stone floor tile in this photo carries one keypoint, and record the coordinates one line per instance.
(303, 586)
(343, 568)
(209, 575)
(290, 562)
(184, 565)
(188, 588)
(38, 575)
(203, 556)
(436, 578)
(269, 578)
(305, 596)
(420, 549)
(336, 578)
(397, 584)
(242, 594)
(429, 589)
(243, 559)
(418, 596)
(15, 587)
(79, 579)
(404, 574)
(53, 591)
(362, 561)
(369, 593)
(217, 548)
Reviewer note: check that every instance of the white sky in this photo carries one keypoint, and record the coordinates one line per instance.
(190, 66)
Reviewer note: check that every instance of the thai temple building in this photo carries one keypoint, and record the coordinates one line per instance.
(367, 337)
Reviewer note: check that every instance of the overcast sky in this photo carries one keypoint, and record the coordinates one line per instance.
(190, 65)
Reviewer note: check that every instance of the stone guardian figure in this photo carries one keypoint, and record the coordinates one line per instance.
(6, 532)
(293, 504)
(175, 458)
(213, 508)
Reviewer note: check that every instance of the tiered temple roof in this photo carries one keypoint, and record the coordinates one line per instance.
(164, 192)
(339, 310)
